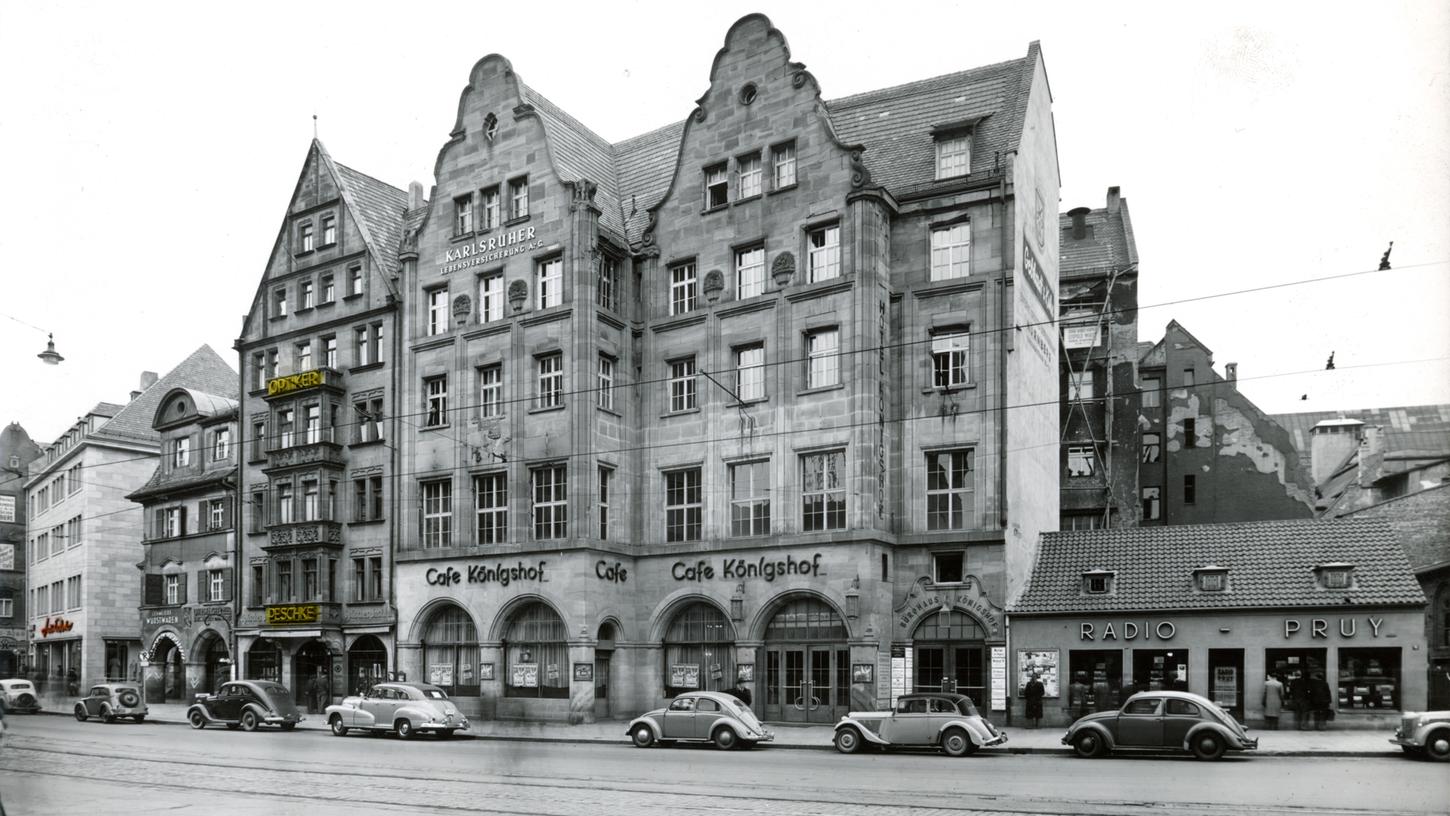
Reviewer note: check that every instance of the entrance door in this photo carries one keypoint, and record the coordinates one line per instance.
(807, 667)
(968, 675)
(601, 684)
(1226, 680)
(312, 669)
(794, 690)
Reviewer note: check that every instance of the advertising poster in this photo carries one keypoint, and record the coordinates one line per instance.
(526, 675)
(1226, 686)
(745, 673)
(1042, 661)
(441, 674)
(485, 671)
(861, 672)
(685, 675)
(584, 672)
(552, 673)
(999, 678)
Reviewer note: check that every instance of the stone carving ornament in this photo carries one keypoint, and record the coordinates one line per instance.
(782, 269)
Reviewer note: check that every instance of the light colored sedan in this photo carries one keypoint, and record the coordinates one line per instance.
(407, 708)
(700, 716)
(18, 695)
(946, 721)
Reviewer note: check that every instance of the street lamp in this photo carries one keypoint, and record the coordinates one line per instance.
(50, 355)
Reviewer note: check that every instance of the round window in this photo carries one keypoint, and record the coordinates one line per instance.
(747, 93)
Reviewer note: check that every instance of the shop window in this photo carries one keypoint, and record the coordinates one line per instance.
(1286, 663)
(450, 652)
(536, 654)
(264, 661)
(699, 651)
(1097, 582)
(1161, 669)
(1096, 680)
(948, 567)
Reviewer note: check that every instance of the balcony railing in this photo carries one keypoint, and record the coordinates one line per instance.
(315, 447)
(319, 532)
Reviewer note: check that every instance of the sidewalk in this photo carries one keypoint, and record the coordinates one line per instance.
(1045, 740)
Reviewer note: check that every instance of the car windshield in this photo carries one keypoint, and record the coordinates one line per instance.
(965, 706)
(434, 694)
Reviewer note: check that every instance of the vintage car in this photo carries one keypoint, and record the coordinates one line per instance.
(407, 708)
(246, 704)
(1158, 720)
(1425, 734)
(946, 721)
(18, 696)
(111, 700)
(700, 716)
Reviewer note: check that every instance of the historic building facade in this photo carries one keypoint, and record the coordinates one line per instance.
(765, 399)
(189, 542)
(85, 533)
(317, 353)
(17, 451)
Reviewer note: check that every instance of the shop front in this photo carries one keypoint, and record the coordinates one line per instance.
(302, 647)
(187, 652)
(949, 637)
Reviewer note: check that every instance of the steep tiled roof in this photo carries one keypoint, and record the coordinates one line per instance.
(1270, 565)
(895, 124)
(580, 153)
(204, 371)
(106, 409)
(1422, 521)
(1106, 245)
(378, 208)
(646, 164)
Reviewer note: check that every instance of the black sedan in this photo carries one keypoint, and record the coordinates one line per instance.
(246, 704)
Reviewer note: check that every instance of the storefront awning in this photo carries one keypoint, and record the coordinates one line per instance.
(281, 633)
(367, 630)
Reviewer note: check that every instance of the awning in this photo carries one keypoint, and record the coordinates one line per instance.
(281, 633)
(367, 630)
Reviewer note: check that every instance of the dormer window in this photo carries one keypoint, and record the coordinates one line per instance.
(1098, 582)
(953, 154)
(1335, 576)
(1211, 578)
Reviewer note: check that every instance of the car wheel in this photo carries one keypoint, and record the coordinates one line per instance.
(249, 721)
(956, 743)
(725, 738)
(643, 736)
(197, 719)
(1089, 745)
(106, 715)
(288, 726)
(404, 729)
(338, 729)
(1208, 745)
(1437, 746)
(81, 715)
(848, 740)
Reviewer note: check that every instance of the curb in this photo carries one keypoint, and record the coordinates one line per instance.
(1018, 751)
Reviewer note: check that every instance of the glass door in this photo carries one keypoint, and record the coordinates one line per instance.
(968, 676)
(795, 689)
(820, 693)
(931, 674)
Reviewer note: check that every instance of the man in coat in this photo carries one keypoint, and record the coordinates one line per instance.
(1033, 693)
(1273, 702)
(1320, 699)
(1299, 699)
(1077, 696)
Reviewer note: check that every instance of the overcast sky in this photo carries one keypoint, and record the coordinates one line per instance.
(149, 151)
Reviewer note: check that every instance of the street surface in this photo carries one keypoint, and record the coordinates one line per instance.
(55, 765)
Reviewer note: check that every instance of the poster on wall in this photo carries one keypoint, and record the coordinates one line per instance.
(526, 675)
(745, 672)
(861, 672)
(584, 672)
(485, 671)
(441, 674)
(898, 673)
(685, 675)
(999, 678)
(1044, 662)
(1226, 686)
(7, 556)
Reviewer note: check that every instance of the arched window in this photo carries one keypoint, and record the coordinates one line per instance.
(806, 619)
(536, 653)
(367, 664)
(949, 625)
(699, 650)
(450, 652)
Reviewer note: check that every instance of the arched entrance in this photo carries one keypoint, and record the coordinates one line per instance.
(699, 650)
(536, 653)
(312, 666)
(807, 663)
(951, 655)
(264, 661)
(367, 663)
(167, 654)
(450, 652)
(216, 662)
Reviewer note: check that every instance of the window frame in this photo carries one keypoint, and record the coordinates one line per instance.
(490, 518)
(822, 362)
(745, 519)
(683, 385)
(826, 515)
(684, 505)
(684, 292)
(749, 377)
(435, 401)
(951, 358)
(1082, 453)
(549, 501)
(463, 215)
(491, 296)
(783, 164)
(435, 311)
(953, 163)
(605, 382)
(490, 391)
(518, 198)
(823, 261)
(960, 497)
(951, 259)
(435, 517)
(716, 185)
(549, 381)
(546, 272)
(749, 180)
(749, 271)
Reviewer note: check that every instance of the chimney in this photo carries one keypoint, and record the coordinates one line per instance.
(1330, 443)
(1115, 197)
(1231, 372)
(1079, 222)
(415, 195)
(1371, 455)
(148, 379)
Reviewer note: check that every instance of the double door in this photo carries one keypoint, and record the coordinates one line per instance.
(952, 668)
(807, 683)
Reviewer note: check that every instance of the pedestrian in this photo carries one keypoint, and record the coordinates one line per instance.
(72, 683)
(1273, 702)
(319, 692)
(1077, 696)
(1102, 693)
(1034, 693)
(312, 695)
(1299, 699)
(1320, 700)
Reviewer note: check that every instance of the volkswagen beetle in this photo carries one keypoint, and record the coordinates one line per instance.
(1425, 734)
(246, 704)
(110, 701)
(18, 696)
(946, 721)
(407, 708)
(700, 716)
(1159, 720)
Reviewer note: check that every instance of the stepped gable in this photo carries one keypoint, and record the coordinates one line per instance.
(203, 370)
(1270, 565)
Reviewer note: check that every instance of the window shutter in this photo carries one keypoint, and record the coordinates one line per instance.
(227, 583)
(153, 589)
(203, 586)
(180, 588)
(182, 523)
(227, 513)
(203, 518)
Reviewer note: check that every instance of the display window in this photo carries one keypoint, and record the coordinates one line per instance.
(537, 654)
(699, 651)
(1284, 663)
(1369, 679)
(1100, 673)
(264, 661)
(450, 652)
(1161, 669)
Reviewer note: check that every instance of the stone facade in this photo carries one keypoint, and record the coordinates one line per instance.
(17, 451)
(318, 407)
(705, 415)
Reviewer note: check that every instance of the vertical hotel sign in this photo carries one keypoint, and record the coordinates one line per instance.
(1038, 327)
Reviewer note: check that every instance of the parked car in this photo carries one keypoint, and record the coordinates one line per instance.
(700, 716)
(1425, 734)
(246, 704)
(946, 721)
(18, 696)
(407, 708)
(110, 701)
(1159, 720)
